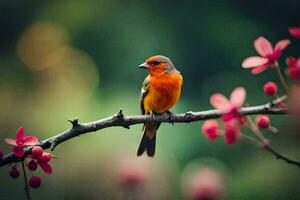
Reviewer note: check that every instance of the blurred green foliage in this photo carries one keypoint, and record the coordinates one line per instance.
(72, 58)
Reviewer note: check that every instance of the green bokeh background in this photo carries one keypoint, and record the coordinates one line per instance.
(96, 74)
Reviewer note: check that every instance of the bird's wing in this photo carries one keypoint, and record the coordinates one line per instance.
(181, 84)
(144, 92)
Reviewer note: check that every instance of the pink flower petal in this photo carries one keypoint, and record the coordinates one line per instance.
(238, 97)
(20, 134)
(46, 167)
(254, 61)
(10, 141)
(282, 44)
(220, 102)
(259, 69)
(31, 140)
(263, 46)
(19, 151)
(295, 31)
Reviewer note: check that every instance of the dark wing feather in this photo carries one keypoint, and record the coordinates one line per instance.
(144, 92)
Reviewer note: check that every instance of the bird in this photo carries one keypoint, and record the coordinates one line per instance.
(160, 91)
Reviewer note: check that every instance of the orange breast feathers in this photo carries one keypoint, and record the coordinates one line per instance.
(164, 92)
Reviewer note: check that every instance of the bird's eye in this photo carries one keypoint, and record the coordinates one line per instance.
(155, 62)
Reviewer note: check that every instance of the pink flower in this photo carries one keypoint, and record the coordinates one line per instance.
(210, 129)
(293, 67)
(268, 55)
(42, 159)
(295, 31)
(229, 107)
(21, 141)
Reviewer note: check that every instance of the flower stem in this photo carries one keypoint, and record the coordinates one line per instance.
(249, 139)
(256, 131)
(26, 188)
(281, 78)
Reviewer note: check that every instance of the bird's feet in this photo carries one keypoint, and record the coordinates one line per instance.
(171, 117)
(152, 117)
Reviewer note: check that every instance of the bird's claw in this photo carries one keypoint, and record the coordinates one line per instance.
(152, 117)
(171, 117)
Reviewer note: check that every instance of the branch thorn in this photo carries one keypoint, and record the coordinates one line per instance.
(119, 114)
(74, 122)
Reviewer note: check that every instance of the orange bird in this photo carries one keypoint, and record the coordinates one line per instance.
(160, 91)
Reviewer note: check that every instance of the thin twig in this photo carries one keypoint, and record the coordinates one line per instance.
(278, 101)
(126, 121)
(26, 188)
(252, 126)
(250, 140)
(265, 143)
(280, 156)
(281, 78)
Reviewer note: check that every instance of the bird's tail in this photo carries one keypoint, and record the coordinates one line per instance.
(149, 139)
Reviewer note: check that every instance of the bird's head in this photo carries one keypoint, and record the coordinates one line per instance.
(158, 65)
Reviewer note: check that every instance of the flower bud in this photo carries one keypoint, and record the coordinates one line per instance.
(32, 165)
(14, 172)
(37, 151)
(231, 134)
(263, 121)
(210, 129)
(45, 157)
(270, 88)
(35, 181)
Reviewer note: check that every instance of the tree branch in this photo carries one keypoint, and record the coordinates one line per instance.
(126, 121)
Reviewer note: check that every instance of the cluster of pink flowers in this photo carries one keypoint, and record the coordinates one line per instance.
(230, 116)
(232, 120)
(37, 157)
(230, 108)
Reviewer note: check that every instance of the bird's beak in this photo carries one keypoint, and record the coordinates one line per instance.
(143, 66)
